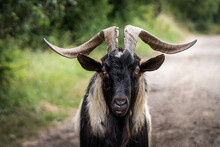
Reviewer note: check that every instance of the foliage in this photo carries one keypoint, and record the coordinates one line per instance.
(37, 19)
(202, 13)
(8, 54)
(23, 18)
(30, 21)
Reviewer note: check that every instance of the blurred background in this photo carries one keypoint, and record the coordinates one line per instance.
(40, 89)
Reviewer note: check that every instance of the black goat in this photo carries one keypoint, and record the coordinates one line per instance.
(114, 110)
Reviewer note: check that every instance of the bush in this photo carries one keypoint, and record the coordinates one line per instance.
(202, 13)
(8, 54)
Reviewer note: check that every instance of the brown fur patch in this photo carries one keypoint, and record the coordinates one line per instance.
(142, 61)
(99, 61)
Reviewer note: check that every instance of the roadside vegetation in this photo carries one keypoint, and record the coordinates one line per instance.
(39, 88)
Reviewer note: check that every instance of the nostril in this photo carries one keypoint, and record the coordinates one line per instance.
(120, 102)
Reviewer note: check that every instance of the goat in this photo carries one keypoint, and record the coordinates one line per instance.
(114, 109)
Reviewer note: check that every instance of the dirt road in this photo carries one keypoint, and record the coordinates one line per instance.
(185, 97)
(184, 101)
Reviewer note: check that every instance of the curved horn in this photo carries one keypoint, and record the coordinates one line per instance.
(109, 35)
(132, 33)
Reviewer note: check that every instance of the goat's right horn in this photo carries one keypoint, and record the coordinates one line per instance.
(109, 35)
(131, 34)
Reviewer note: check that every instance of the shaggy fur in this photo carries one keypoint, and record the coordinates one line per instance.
(98, 112)
(118, 75)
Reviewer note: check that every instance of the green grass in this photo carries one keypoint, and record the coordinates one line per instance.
(46, 78)
(46, 86)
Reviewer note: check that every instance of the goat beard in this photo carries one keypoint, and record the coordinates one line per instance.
(126, 133)
(118, 130)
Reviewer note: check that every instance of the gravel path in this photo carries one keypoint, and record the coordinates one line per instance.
(184, 102)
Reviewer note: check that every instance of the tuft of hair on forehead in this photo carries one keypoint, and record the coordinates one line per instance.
(123, 58)
(118, 54)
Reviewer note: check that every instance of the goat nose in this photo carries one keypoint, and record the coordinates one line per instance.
(120, 101)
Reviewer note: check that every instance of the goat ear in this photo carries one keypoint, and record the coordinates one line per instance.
(152, 64)
(89, 63)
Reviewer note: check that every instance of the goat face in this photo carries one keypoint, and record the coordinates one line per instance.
(120, 81)
(120, 72)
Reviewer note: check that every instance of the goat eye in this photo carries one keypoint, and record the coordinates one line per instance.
(136, 71)
(104, 72)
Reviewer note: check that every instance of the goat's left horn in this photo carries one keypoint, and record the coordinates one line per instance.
(131, 34)
(109, 35)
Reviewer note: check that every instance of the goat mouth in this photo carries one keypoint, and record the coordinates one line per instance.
(120, 110)
(120, 113)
